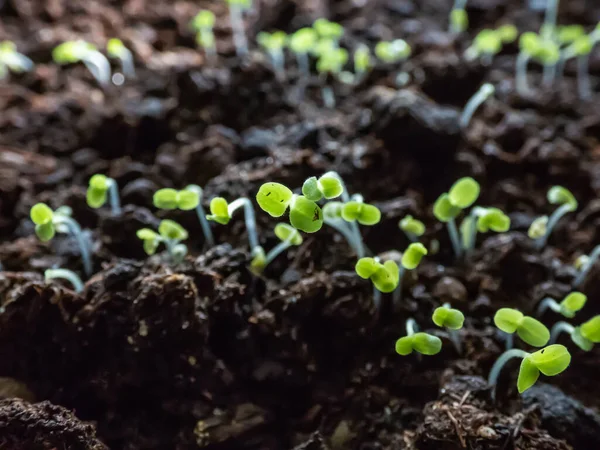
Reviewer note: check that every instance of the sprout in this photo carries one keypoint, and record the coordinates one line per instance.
(507, 33)
(116, 49)
(392, 52)
(567, 34)
(584, 336)
(486, 45)
(464, 192)
(98, 188)
(550, 361)
(221, 212)
(549, 55)
(301, 43)
(328, 186)
(412, 227)
(48, 223)
(330, 62)
(423, 343)
(451, 319)
(459, 20)
(549, 26)
(12, 60)
(362, 62)
(203, 24)
(169, 233)
(410, 260)
(385, 277)
(530, 330)
(363, 213)
(587, 264)
(328, 30)
(568, 307)
(236, 10)
(482, 220)
(557, 195)
(288, 236)
(529, 44)
(71, 52)
(538, 228)
(66, 274)
(273, 43)
(581, 48)
(484, 92)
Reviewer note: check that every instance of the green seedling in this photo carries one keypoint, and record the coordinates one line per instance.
(72, 52)
(273, 44)
(392, 52)
(288, 236)
(584, 336)
(529, 45)
(451, 319)
(169, 233)
(301, 43)
(530, 330)
(236, 13)
(567, 34)
(557, 195)
(328, 30)
(221, 212)
(585, 265)
(410, 260)
(65, 274)
(484, 92)
(482, 220)
(116, 49)
(332, 216)
(551, 360)
(384, 276)
(548, 28)
(423, 343)
(568, 307)
(459, 20)
(362, 62)
(48, 223)
(330, 62)
(11, 59)
(203, 24)
(538, 228)
(363, 213)
(507, 33)
(328, 186)
(99, 187)
(486, 45)
(412, 227)
(275, 199)
(549, 55)
(581, 48)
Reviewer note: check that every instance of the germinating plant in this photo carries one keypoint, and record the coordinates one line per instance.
(586, 265)
(171, 234)
(541, 228)
(203, 24)
(221, 212)
(530, 330)
(484, 92)
(362, 62)
(236, 12)
(384, 276)
(72, 52)
(11, 59)
(486, 45)
(330, 62)
(116, 49)
(65, 274)
(328, 30)
(423, 343)
(482, 220)
(288, 236)
(48, 223)
(568, 307)
(301, 43)
(452, 320)
(99, 187)
(273, 44)
(411, 258)
(529, 45)
(584, 336)
(412, 227)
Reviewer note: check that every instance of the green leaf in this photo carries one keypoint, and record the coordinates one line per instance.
(591, 329)
(115, 48)
(413, 255)
(572, 303)
(165, 198)
(306, 215)
(45, 231)
(187, 200)
(95, 198)
(412, 226)
(366, 267)
(443, 210)
(364, 213)
(426, 344)
(333, 210)
(404, 345)
(530, 43)
(219, 211)
(551, 360)
(463, 193)
(508, 33)
(274, 198)
(538, 228)
(170, 229)
(205, 19)
(99, 183)
(533, 332)
(493, 219)
(330, 186)
(310, 189)
(448, 318)
(558, 195)
(386, 277)
(259, 261)
(508, 319)
(146, 234)
(303, 40)
(150, 246)
(286, 232)
(41, 214)
(328, 29)
(578, 339)
(459, 19)
(528, 375)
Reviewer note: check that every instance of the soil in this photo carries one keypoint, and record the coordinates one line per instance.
(205, 354)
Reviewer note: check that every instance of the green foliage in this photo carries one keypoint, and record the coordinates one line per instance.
(332, 61)
(459, 20)
(464, 192)
(244, 4)
(328, 30)
(170, 229)
(538, 228)
(487, 42)
(186, 199)
(530, 330)
(492, 219)
(548, 52)
(411, 225)
(567, 34)
(446, 317)
(205, 19)
(412, 256)
(385, 277)
(42, 215)
(392, 51)
(362, 59)
(528, 375)
(581, 341)
(169, 232)
(219, 211)
(287, 233)
(13, 60)
(550, 361)
(272, 42)
(306, 215)
(558, 195)
(582, 46)
(97, 190)
(444, 210)
(303, 40)
(591, 329)
(507, 33)
(274, 198)
(530, 43)
(328, 186)
(423, 343)
(259, 261)
(115, 48)
(333, 210)
(364, 213)
(572, 303)
(72, 51)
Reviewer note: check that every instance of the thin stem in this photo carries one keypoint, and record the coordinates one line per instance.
(397, 294)
(411, 327)
(583, 79)
(550, 18)
(475, 102)
(115, 201)
(549, 74)
(207, 35)
(303, 64)
(560, 66)
(98, 61)
(588, 266)
(377, 298)
(500, 363)
(277, 250)
(521, 73)
(470, 245)
(75, 231)
(560, 327)
(509, 341)
(66, 274)
(328, 97)
(547, 303)
(277, 61)
(127, 65)
(454, 337)
(454, 237)
(342, 227)
(357, 237)
(249, 217)
(552, 221)
(239, 35)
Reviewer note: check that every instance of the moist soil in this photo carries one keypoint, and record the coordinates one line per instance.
(205, 354)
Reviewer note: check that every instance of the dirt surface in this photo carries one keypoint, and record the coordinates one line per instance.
(205, 354)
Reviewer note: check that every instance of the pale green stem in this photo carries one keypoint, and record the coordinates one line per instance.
(65, 274)
(474, 102)
(207, 35)
(587, 267)
(342, 227)
(237, 27)
(454, 335)
(500, 363)
(549, 74)
(277, 250)
(127, 65)
(560, 327)
(411, 327)
(97, 63)
(250, 219)
(115, 201)
(547, 303)
(521, 83)
(75, 231)
(277, 61)
(509, 341)
(454, 237)
(354, 230)
(583, 78)
(552, 221)
(377, 298)
(550, 18)
(328, 97)
(205, 225)
(397, 294)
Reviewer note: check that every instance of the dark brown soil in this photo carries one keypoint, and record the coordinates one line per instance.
(207, 355)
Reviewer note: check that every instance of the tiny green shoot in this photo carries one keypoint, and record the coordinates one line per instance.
(328, 30)
(482, 220)
(508, 33)
(557, 195)
(116, 49)
(586, 263)
(391, 52)
(301, 43)
(330, 62)
(584, 336)
(423, 343)
(384, 276)
(273, 44)
(203, 24)
(11, 59)
(288, 236)
(221, 212)
(71, 52)
(363, 213)
(65, 274)
(236, 12)
(459, 20)
(412, 227)
(410, 260)
(96, 195)
(327, 186)
(529, 45)
(538, 228)
(530, 330)
(362, 62)
(568, 307)
(170, 233)
(486, 45)
(484, 92)
(452, 319)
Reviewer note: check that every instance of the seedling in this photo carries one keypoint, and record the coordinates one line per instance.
(586, 265)
(568, 307)
(550, 361)
(69, 275)
(203, 24)
(486, 45)
(362, 62)
(328, 30)
(48, 223)
(530, 330)
(72, 52)
(273, 43)
(328, 186)
(567, 34)
(411, 258)
(236, 12)
(301, 43)
(330, 62)
(459, 20)
(392, 52)
(549, 25)
(482, 220)
(484, 92)
(275, 199)
(116, 49)
(221, 212)
(332, 216)
(584, 336)
(461, 195)
(99, 187)
(385, 277)
(423, 343)
(451, 319)
(557, 195)
(288, 236)
(363, 213)
(529, 44)
(412, 227)
(538, 228)
(549, 55)
(507, 33)
(169, 233)
(581, 49)
(12, 60)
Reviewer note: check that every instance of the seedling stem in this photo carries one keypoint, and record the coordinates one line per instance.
(66, 274)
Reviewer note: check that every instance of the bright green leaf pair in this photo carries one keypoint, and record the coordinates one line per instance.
(385, 277)
(558, 195)
(423, 343)
(446, 317)
(550, 361)
(461, 195)
(360, 212)
(572, 304)
(412, 256)
(96, 194)
(412, 226)
(168, 198)
(42, 216)
(530, 330)
(328, 186)
(168, 230)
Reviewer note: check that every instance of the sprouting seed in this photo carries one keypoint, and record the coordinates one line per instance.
(288, 236)
(508, 33)
(459, 20)
(169, 233)
(274, 43)
(301, 43)
(586, 264)
(423, 343)
(538, 228)
(203, 24)
(530, 330)
(327, 186)
(236, 11)
(99, 187)
(529, 44)
(116, 49)
(486, 45)
(383, 276)
(330, 62)
(568, 307)
(412, 227)
(71, 52)
(557, 195)
(410, 260)
(328, 30)
(452, 319)
(65, 274)
(11, 59)
(363, 213)
(391, 52)
(482, 220)
(221, 212)
(484, 92)
(584, 336)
